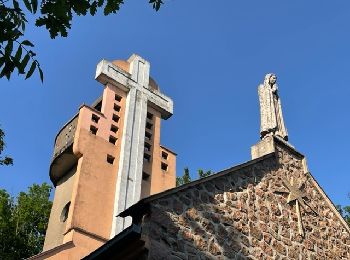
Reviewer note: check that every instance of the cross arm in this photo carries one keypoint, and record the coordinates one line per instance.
(160, 102)
(107, 72)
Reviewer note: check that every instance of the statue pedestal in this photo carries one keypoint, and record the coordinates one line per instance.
(267, 145)
(262, 148)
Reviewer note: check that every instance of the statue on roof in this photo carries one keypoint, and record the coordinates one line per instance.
(271, 119)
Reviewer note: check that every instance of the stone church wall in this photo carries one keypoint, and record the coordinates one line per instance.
(244, 214)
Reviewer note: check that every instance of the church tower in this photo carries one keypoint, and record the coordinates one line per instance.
(106, 158)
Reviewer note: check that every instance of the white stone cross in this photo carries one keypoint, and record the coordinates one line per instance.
(139, 96)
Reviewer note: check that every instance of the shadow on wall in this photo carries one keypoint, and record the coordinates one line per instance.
(244, 214)
(217, 218)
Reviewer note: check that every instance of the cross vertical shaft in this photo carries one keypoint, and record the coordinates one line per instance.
(139, 97)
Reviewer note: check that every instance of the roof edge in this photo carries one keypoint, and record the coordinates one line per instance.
(142, 203)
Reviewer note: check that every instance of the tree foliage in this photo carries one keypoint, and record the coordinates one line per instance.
(23, 222)
(345, 212)
(4, 160)
(203, 174)
(186, 178)
(16, 52)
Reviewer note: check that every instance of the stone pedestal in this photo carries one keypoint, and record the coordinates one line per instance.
(262, 148)
(268, 145)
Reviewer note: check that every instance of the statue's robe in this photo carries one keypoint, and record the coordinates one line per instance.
(271, 113)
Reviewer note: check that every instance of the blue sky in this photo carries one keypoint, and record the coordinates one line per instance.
(209, 57)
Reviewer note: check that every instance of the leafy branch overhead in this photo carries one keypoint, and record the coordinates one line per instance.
(4, 160)
(16, 52)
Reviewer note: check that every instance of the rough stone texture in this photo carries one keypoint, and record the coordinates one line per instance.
(242, 215)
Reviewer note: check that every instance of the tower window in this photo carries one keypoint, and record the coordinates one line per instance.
(98, 107)
(114, 128)
(64, 213)
(149, 116)
(93, 129)
(95, 118)
(112, 139)
(148, 135)
(146, 157)
(145, 176)
(164, 155)
(147, 147)
(116, 107)
(149, 126)
(115, 118)
(164, 166)
(110, 159)
(117, 98)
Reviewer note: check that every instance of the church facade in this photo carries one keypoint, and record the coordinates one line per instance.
(268, 208)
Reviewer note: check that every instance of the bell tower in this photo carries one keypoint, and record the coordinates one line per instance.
(106, 158)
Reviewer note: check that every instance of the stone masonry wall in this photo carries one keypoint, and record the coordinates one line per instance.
(245, 215)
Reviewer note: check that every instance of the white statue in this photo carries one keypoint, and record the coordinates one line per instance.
(270, 109)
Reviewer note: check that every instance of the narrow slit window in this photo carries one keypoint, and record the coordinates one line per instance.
(115, 118)
(93, 129)
(148, 135)
(149, 116)
(149, 126)
(145, 176)
(164, 155)
(164, 166)
(65, 212)
(146, 157)
(112, 139)
(147, 147)
(117, 98)
(116, 108)
(110, 159)
(114, 128)
(95, 118)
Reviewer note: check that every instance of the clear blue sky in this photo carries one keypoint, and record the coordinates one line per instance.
(209, 56)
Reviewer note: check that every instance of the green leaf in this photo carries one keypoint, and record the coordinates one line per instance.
(32, 54)
(24, 62)
(34, 5)
(23, 25)
(15, 4)
(8, 48)
(41, 74)
(93, 8)
(28, 5)
(31, 70)
(18, 54)
(100, 3)
(28, 43)
(156, 4)
(112, 6)
(2, 61)
(6, 71)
